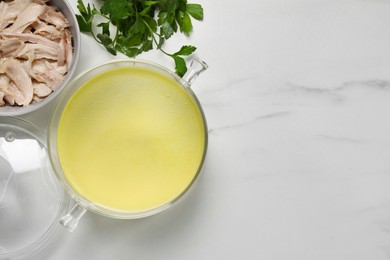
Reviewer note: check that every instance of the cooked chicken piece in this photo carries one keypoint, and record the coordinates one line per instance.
(59, 69)
(26, 18)
(10, 47)
(41, 90)
(28, 29)
(54, 76)
(43, 71)
(61, 58)
(9, 11)
(39, 48)
(41, 2)
(4, 83)
(12, 94)
(2, 101)
(52, 16)
(18, 6)
(16, 73)
(37, 51)
(4, 88)
(9, 96)
(4, 19)
(66, 51)
(37, 99)
(47, 31)
(69, 48)
(15, 95)
(37, 66)
(30, 37)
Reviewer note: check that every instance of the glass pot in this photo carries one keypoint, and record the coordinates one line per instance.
(70, 220)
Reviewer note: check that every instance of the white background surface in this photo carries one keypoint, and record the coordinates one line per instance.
(297, 99)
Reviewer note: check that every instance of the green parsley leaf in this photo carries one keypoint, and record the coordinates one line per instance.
(84, 26)
(147, 46)
(148, 3)
(185, 50)
(111, 50)
(185, 24)
(151, 23)
(86, 16)
(116, 9)
(196, 11)
(104, 39)
(169, 6)
(130, 52)
(105, 28)
(180, 64)
(140, 25)
(130, 41)
(82, 8)
(162, 17)
(145, 11)
(166, 30)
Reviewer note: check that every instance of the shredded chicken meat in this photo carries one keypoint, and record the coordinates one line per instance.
(35, 51)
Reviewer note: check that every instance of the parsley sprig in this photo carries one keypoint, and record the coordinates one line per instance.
(141, 25)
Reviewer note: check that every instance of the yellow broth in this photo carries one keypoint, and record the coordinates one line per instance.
(131, 139)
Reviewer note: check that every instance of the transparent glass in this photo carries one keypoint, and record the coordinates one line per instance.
(70, 220)
(31, 199)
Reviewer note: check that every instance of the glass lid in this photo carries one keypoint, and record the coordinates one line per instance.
(31, 199)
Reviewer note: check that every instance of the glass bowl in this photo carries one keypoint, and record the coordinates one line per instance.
(68, 96)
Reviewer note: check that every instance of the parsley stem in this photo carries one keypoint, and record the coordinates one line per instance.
(116, 36)
(102, 15)
(155, 40)
(94, 36)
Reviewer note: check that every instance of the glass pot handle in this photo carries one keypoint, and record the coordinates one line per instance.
(196, 67)
(71, 219)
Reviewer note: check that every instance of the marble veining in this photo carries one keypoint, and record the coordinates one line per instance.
(254, 120)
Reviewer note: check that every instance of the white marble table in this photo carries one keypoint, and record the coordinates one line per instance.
(297, 99)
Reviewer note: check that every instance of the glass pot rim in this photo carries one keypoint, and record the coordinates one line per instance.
(68, 92)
